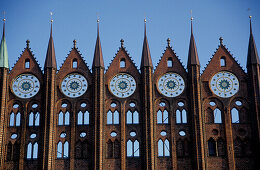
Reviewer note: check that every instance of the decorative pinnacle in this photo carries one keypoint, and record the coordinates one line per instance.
(74, 43)
(122, 43)
(27, 43)
(97, 20)
(221, 40)
(51, 17)
(145, 20)
(168, 41)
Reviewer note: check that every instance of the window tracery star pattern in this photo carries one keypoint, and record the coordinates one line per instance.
(171, 84)
(224, 84)
(74, 85)
(122, 85)
(25, 86)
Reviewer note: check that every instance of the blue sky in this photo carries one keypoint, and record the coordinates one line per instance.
(30, 19)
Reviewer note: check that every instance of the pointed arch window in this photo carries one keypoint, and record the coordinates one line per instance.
(163, 148)
(113, 149)
(217, 116)
(212, 147)
(74, 63)
(63, 149)
(223, 61)
(64, 119)
(169, 62)
(162, 117)
(112, 117)
(132, 117)
(235, 115)
(15, 119)
(34, 119)
(83, 119)
(133, 148)
(27, 64)
(122, 63)
(32, 151)
(181, 116)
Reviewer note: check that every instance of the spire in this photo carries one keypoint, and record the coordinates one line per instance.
(146, 56)
(252, 55)
(3, 50)
(98, 57)
(50, 61)
(193, 58)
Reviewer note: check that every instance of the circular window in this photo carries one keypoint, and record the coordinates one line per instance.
(63, 135)
(162, 104)
(83, 104)
(82, 134)
(163, 133)
(34, 106)
(113, 134)
(180, 104)
(64, 105)
(212, 103)
(132, 104)
(182, 133)
(15, 106)
(32, 136)
(14, 136)
(133, 134)
(113, 104)
(239, 103)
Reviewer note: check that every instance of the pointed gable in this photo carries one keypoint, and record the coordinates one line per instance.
(169, 62)
(122, 63)
(252, 55)
(193, 58)
(26, 64)
(222, 61)
(50, 61)
(146, 60)
(98, 57)
(3, 52)
(74, 63)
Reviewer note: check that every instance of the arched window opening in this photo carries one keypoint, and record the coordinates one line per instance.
(109, 117)
(67, 118)
(34, 119)
(27, 63)
(169, 62)
(31, 115)
(181, 116)
(12, 119)
(184, 116)
(166, 148)
(83, 119)
(63, 149)
(217, 116)
(122, 63)
(235, 115)
(18, 119)
(80, 118)
(212, 147)
(86, 118)
(223, 61)
(29, 151)
(159, 117)
(59, 150)
(116, 117)
(165, 117)
(132, 118)
(135, 117)
(66, 150)
(35, 150)
(163, 148)
(60, 120)
(133, 148)
(75, 63)
(160, 148)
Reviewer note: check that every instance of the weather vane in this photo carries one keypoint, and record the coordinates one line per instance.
(51, 16)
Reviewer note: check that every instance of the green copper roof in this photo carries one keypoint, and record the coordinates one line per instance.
(3, 52)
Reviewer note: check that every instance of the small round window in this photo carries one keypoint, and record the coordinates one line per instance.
(212, 103)
(83, 134)
(238, 103)
(162, 104)
(64, 105)
(14, 136)
(163, 133)
(32, 136)
(113, 104)
(34, 106)
(15, 106)
(113, 134)
(182, 133)
(63, 135)
(180, 104)
(83, 104)
(133, 134)
(132, 104)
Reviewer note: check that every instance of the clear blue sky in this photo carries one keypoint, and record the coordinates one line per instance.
(76, 19)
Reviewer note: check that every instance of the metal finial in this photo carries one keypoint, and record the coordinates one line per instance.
(221, 40)
(74, 43)
(4, 16)
(250, 16)
(191, 18)
(145, 20)
(27, 43)
(168, 41)
(122, 43)
(51, 16)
